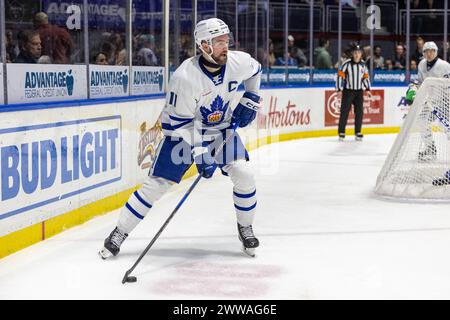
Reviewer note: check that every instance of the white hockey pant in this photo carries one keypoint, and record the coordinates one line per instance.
(140, 202)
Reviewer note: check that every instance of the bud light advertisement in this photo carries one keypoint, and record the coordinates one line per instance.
(50, 162)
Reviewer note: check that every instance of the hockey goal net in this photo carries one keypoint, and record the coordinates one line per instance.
(418, 164)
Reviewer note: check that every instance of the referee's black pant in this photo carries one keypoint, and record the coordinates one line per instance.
(350, 97)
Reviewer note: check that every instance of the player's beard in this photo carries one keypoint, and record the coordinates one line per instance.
(221, 59)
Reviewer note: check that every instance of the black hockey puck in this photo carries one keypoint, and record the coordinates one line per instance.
(127, 278)
(131, 279)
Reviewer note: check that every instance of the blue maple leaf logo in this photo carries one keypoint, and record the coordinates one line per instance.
(216, 113)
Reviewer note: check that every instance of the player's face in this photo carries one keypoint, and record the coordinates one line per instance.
(220, 49)
(430, 55)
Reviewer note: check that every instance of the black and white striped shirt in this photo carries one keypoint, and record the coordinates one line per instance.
(353, 76)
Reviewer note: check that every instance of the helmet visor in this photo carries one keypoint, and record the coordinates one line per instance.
(223, 41)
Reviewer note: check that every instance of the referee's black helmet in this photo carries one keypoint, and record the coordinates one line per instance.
(356, 47)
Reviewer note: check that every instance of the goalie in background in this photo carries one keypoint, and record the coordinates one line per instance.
(431, 66)
(352, 80)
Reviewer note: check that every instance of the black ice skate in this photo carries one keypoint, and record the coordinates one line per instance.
(359, 136)
(429, 154)
(341, 136)
(112, 244)
(248, 239)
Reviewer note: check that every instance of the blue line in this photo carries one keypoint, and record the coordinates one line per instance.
(245, 209)
(56, 124)
(133, 211)
(145, 203)
(55, 199)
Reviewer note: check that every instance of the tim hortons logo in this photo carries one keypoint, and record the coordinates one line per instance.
(373, 108)
(334, 105)
(288, 116)
(148, 143)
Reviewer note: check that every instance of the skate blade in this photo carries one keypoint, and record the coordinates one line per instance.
(359, 139)
(249, 251)
(427, 159)
(105, 253)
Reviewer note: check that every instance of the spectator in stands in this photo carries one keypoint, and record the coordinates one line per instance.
(272, 58)
(413, 65)
(31, 49)
(121, 58)
(378, 59)
(290, 61)
(139, 41)
(56, 41)
(399, 58)
(146, 55)
(21, 40)
(100, 58)
(10, 46)
(388, 65)
(322, 57)
(418, 54)
(108, 50)
(366, 53)
(297, 53)
(117, 42)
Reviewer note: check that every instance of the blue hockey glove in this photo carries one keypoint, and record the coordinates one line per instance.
(245, 111)
(206, 164)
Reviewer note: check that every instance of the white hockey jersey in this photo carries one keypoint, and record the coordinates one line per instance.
(441, 69)
(197, 100)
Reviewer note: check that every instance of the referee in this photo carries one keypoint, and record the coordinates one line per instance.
(352, 80)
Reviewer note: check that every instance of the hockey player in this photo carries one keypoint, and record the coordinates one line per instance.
(195, 120)
(431, 66)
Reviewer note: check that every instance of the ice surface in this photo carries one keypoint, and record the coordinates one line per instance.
(323, 233)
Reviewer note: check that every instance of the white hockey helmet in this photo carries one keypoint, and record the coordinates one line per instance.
(430, 45)
(208, 29)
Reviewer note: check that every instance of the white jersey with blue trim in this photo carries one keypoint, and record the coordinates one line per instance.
(198, 100)
(440, 69)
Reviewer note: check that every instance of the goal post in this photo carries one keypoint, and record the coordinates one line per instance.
(420, 154)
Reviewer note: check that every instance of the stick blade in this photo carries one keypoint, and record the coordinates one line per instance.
(128, 278)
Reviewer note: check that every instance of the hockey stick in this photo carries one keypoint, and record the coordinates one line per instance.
(127, 277)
